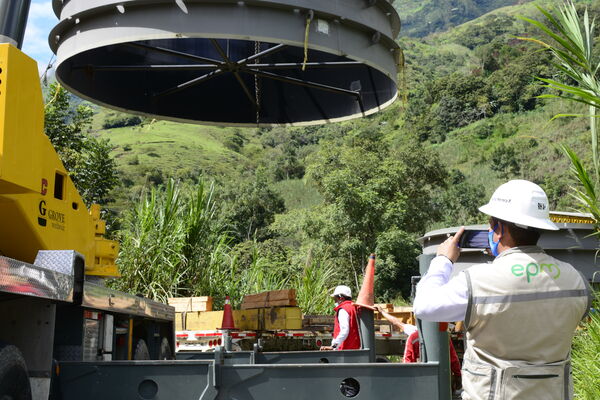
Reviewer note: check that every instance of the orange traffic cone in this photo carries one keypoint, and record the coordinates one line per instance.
(366, 298)
(227, 322)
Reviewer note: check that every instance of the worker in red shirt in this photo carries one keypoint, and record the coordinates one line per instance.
(346, 335)
(411, 350)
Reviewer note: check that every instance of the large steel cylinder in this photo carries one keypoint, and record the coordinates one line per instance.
(245, 63)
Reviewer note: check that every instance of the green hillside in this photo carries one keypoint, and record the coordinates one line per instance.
(420, 18)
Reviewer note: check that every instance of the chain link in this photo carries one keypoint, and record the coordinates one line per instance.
(256, 85)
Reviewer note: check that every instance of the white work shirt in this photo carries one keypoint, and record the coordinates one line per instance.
(440, 298)
(344, 323)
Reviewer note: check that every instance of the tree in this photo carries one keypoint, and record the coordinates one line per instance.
(250, 206)
(459, 203)
(504, 161)
(377, 197)
(86, 158)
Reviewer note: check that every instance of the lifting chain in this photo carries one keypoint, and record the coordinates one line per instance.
(256, 85)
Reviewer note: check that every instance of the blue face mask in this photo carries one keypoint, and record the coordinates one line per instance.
(494, 245)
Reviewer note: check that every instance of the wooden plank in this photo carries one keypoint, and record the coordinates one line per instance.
(269, 304)
(317, 320)
(285, 294)
(273, 298)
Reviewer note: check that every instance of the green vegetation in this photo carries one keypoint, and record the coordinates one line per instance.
(86, 158)
(421, 18)
(175, 242)
(573, 51)
(586, 358)
(571, 46)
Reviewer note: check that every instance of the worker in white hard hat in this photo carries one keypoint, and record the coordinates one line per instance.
(520, 311)
(346, 334)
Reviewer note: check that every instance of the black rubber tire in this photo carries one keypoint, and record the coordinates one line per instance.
(141, 352)
(165, 350)
(14, 380)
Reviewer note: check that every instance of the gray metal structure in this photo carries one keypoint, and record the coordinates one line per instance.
(13, 19)
(217, 379)
(230, 62)
(573, 243)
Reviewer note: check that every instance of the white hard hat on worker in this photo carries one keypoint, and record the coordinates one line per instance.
(342, 290)
(521, 202)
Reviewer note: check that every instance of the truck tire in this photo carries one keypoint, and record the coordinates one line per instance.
(14, 381)
(140, 351)
(165, 350)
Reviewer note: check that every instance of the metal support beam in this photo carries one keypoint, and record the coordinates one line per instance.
(174, 53)
(195, 81)
(196, 67)
(235, 72)
(302, 82)
(149, 67)
(227, 341)
(264, 53)
(13, 20)
(435, 342)
(367, 331)
(329, 64)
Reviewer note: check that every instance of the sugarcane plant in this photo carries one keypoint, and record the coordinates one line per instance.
(570, 39)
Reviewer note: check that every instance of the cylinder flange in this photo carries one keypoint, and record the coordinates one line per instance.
(244, 63)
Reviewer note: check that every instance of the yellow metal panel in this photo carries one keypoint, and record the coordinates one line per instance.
(277, 318)
(245, 320)
(203, 320)
(36, 215)
(179, 321)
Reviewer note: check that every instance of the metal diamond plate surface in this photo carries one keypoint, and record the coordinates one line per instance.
(25, 279)
(56, 260)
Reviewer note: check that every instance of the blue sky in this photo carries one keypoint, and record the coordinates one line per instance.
(41, 21)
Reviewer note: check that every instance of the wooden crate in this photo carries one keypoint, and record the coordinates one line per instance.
(186, 304)
(273, 298)
(211, 320)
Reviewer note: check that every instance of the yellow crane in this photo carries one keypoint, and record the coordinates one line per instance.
(40, 208)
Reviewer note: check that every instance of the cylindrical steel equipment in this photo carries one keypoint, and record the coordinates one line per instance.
(435, 342)
(244, 63)
(13, 20)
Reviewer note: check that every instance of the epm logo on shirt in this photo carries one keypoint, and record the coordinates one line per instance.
(532, 270)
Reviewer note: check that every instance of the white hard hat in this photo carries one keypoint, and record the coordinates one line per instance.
(342, 290)
(521, 202)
